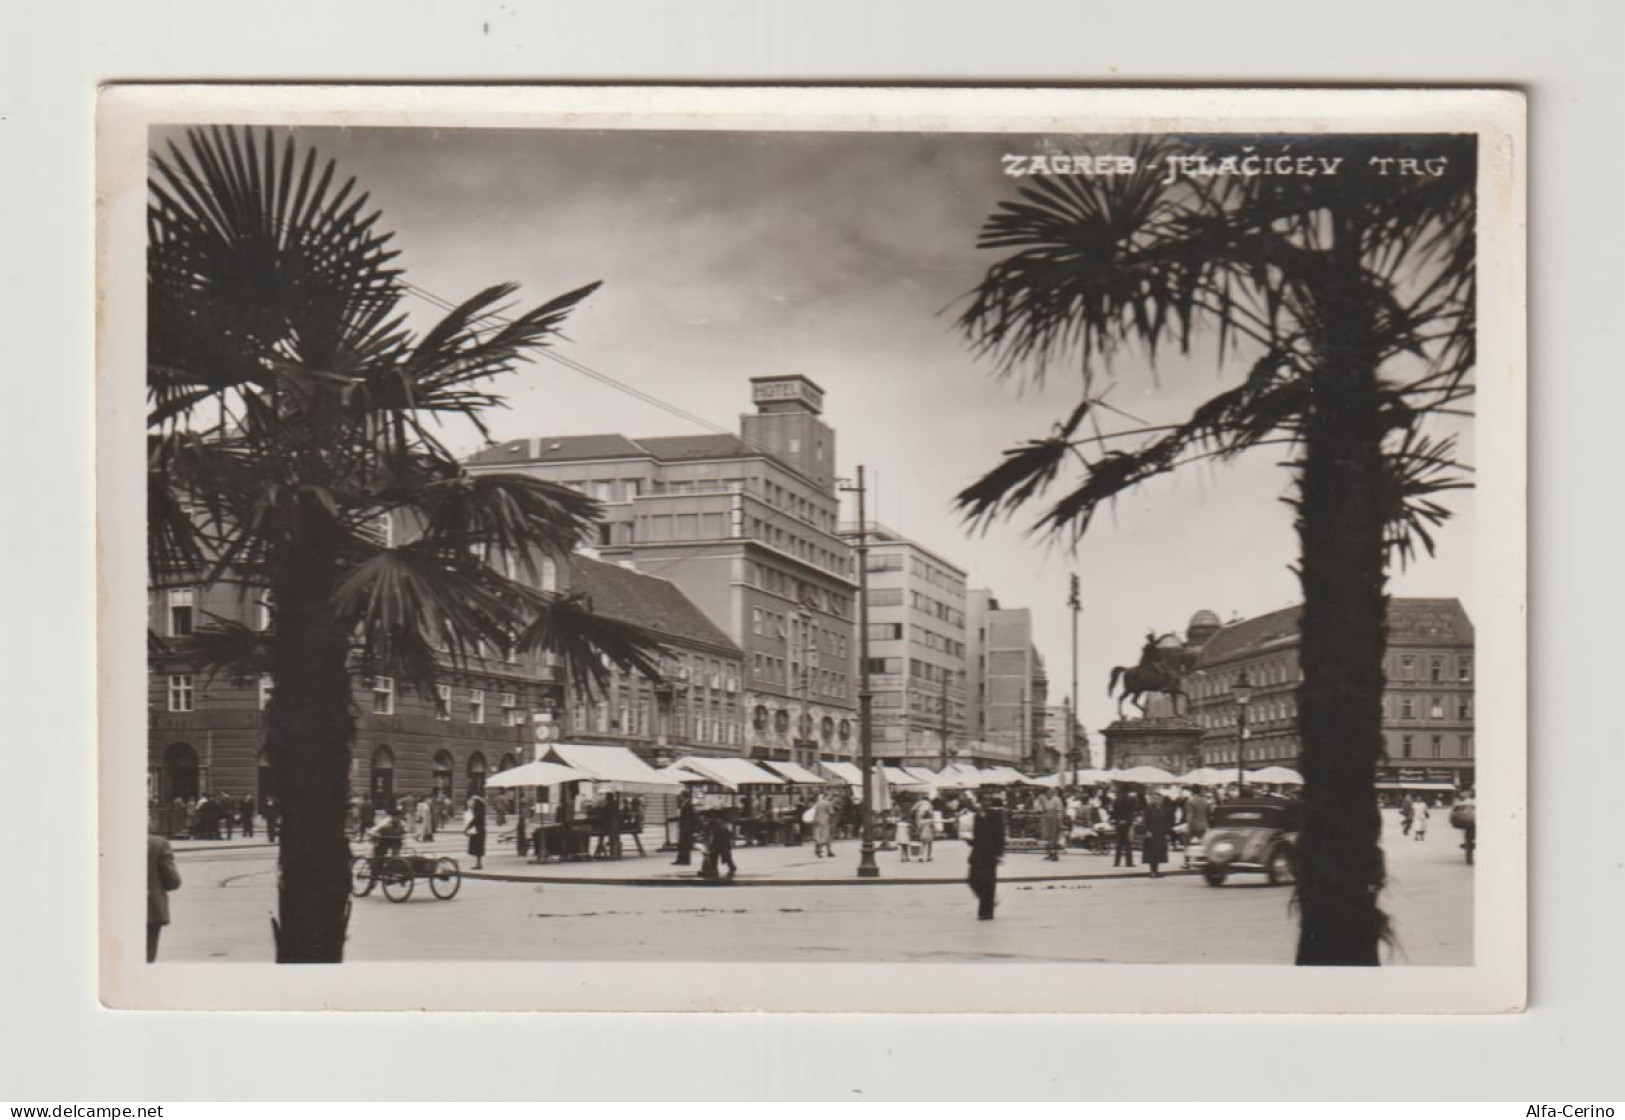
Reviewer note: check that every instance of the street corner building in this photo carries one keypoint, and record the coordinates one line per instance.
(1427, 703)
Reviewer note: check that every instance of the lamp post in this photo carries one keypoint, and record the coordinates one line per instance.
(1241, 692)
(805, 725)
(867, 867)
(1076, 603)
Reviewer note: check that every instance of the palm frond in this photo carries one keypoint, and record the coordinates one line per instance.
(514, 515)
(412, 606)
(1419, 470)
(589, 643)
(226, 646)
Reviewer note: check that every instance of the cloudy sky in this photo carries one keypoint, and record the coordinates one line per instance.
(725, 256)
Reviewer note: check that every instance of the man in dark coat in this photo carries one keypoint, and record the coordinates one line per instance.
(719, 847)
(685, 829)
(162, 877)
(273, 819)
(1125, 809)
(1157, 822)
(986, 850)
(476, 831)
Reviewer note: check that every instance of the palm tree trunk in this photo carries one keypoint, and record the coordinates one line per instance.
(1344, 636)
(310, 729)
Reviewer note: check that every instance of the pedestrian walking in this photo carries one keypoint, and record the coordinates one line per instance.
(719, 848)
(1420, 812)
(245, 816)
(425, 820)
(476, 830)
(1051, 811)
(1197, 814)
(903, 835)
(685, 829)
(1407, 815)
(208, 818)
(1125, 812)
(273, 819)
(823, 826)
(925, 827)
(1156, 824)
(986, 850)
(162, 877)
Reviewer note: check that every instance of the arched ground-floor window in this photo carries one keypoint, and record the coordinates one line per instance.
(476, 774)
(443, 775)
(179, 777)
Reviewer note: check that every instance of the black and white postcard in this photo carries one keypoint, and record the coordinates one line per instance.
(590, 548)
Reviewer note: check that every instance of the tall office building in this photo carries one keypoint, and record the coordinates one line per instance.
(1009, 687)
(917, 650)
(747, 528)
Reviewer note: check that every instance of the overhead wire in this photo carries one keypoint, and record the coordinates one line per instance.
(641, 395)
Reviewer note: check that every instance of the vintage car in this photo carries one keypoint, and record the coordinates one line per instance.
(1250, 834)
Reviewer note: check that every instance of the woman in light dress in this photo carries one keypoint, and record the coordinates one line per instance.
(925, 827)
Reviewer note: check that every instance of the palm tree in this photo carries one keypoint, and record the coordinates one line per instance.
(291, 412)
(1351, 297)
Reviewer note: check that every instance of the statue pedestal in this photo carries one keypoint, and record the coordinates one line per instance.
(1171, 742)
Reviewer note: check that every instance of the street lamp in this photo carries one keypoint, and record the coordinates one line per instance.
(867, 867)
(805, 726)
(1241, 692)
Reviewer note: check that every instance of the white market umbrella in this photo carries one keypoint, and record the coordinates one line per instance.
(1276, 776)
(534, 774)
(1144, 776)
(1206, 776)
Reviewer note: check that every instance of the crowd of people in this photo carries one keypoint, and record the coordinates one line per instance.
(219, 816)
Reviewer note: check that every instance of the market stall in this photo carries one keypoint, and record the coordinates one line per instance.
(748, 791)
(595, 815)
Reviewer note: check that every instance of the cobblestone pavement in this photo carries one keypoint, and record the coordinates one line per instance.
(222, 913)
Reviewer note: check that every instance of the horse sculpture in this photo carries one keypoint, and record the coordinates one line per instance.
(1160, 670)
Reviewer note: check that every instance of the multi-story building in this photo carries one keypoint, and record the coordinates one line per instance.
(207, 734)
(697, 705)
(748, 528)
(1427, 703)
(1008, 689)
(917, 650)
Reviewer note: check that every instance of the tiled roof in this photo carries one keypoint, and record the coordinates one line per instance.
(1410, 621)
(648, 601)
(667, 449)
(559, 449)
(1249, 634)
(671, 449)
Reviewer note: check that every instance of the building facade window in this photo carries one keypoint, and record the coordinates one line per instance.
(180, 692)
(383, 696)
(476, 705)
(1407, 668)
(1435, 668)
(1464, 668)
(1436, 708)
(510, 709)
(1407, 707)
(1405, 745)
(181, 600)
(442, 710)
(1437, 746)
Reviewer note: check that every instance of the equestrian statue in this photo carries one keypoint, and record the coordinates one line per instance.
(1162, 668)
